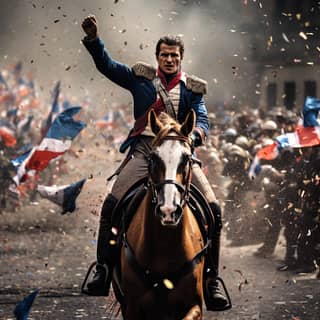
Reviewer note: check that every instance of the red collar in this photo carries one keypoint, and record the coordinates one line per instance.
(174, 81)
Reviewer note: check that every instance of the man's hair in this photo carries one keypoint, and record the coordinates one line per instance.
(170, 41)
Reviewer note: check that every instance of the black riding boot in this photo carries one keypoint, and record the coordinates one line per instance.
(100, 284)
(214, 297)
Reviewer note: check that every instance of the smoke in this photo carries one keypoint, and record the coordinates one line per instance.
(45, 36)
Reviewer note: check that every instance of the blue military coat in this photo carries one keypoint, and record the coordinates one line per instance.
(142, 89)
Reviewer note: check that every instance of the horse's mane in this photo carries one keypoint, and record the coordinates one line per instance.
(169, 126)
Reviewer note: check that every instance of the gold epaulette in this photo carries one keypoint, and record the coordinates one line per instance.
(196, 84)
(142, 69)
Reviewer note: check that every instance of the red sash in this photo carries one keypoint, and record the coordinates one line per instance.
(158, 106)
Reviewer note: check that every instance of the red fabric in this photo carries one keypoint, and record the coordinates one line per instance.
(7, 137)
(308, 136)
(174, 81)
(141, 123)
(40, 159)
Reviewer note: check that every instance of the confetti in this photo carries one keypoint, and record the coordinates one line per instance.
(168, 284)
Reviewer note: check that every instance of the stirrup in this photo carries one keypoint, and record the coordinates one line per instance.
(84, 287)
(228, 306)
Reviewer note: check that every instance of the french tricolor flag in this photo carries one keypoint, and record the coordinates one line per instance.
(305, 135)
(106, 122)
(7, 136)
(56, 142)
(64, 196)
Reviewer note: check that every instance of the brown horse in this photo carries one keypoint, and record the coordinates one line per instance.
(162, 254)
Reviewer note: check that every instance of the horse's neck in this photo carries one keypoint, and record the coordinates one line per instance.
(163, 245)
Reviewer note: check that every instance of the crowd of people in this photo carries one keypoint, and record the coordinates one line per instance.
(283, 196)
(26, 116)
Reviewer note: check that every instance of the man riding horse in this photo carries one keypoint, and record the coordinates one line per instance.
(166, 89)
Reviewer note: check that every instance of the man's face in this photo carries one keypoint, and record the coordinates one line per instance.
(169, 59)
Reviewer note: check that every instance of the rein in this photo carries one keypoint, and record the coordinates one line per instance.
(155, 280)
(184, 190)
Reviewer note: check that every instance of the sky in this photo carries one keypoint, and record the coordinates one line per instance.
(46, 36)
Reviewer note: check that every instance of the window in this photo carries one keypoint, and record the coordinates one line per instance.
(271, 95)
(289, 94)
(310, 89)
(308, 9)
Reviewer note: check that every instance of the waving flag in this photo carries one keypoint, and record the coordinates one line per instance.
(20, 159)
(54, 109)
(7, 136)
(24, 125)
(3, 81)
(106, 121)
(57, 141)
(22, 309)
(66, 104)
(12, 113)
(306, 135)
(55, 95)
(310, 112)
(64, 196)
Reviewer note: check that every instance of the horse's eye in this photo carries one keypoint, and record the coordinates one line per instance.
(184, 161)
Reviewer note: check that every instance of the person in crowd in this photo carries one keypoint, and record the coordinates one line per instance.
(309, 225)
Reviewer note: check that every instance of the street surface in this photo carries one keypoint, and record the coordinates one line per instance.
(40, 248)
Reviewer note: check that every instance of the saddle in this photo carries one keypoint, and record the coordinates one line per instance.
(127, 206)
(121, 218)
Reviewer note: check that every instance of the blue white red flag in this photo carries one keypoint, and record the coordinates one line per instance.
(54, 109)
(7, 136)
(106, 122)
(64, 196)
(57, 141)
(306, 135)
(23, 308)
(24, 125)
(3, 81)
(20, 159)
(66, 104)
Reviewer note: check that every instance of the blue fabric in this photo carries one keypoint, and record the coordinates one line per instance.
(55, 94)
(70, 195)
(12, 112)
(142, 89)
(310, 112)
(19, 160)
(64, 126)
(283, 142)
(25, 124)
(22, 309)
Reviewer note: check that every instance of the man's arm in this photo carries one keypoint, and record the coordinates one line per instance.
(115, 71)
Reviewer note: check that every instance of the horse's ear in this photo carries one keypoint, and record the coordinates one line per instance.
(154, 122)
(188, 123)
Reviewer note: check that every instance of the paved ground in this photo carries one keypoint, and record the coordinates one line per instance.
(39, 248)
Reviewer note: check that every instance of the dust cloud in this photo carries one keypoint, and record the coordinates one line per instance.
(46, 37)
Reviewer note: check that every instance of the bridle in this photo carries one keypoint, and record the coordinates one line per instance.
(155, 280)
(183, 189)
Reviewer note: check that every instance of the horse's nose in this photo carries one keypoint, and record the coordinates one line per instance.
(167, 212)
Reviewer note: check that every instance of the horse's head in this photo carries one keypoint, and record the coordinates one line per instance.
(170, 165)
